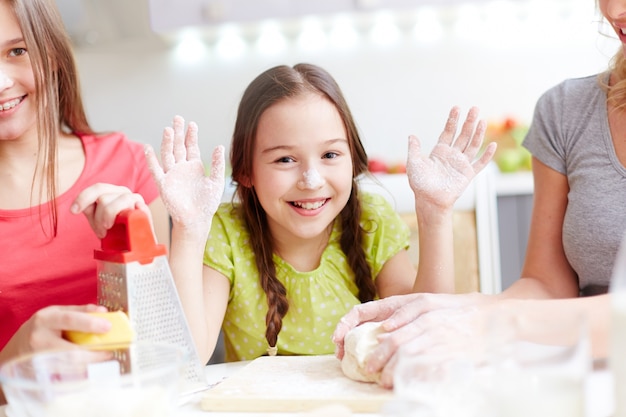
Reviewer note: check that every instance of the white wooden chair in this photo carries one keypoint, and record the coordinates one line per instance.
(476, 238)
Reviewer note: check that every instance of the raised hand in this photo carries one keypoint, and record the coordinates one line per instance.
(440, 178)
(190, 196)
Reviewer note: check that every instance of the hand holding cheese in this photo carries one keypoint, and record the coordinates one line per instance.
(358, 344)
(121, 331)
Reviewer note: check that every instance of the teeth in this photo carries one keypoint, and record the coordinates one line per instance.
(10, 104)
(309, 205)
(623, 31)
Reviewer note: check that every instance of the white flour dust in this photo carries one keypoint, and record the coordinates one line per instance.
(312, 179)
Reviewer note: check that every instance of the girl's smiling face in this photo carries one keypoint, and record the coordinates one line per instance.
(17, 82)
(302, 167)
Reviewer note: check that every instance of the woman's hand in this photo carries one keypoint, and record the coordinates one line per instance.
(191, 197)
(428, 322)
(439, 179)
(101, 203)
(44, 330)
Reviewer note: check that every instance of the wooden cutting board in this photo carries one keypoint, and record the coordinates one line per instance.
(293, 383)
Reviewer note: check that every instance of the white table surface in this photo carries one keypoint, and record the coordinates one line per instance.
(599, 395)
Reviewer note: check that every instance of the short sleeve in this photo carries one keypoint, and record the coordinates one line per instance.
(544, 138)
(218, 252)
(386, 233)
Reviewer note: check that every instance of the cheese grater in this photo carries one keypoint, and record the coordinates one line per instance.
(134, 276)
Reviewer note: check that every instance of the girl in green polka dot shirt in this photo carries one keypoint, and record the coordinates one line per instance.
(300, 244)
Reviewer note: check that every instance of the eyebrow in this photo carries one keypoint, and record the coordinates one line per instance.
(13, 41)
(284, 147)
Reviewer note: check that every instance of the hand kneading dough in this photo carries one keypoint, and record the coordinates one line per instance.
(358, 344)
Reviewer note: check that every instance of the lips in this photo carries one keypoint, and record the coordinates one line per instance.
(309, 205)
(8, 105)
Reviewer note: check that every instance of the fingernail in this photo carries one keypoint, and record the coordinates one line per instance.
(74, 208)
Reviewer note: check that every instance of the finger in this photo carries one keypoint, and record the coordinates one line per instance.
(61, 318)
(92, 194)
(386, 376)
(370, 311)
(218, 165)
(87, 197)
(180, 152)
(447, 136)
(467, 130)
(415, 150)
(153, 165)
(191, 143)
(346, 323)
(109, 206)
(485, 158)
(167, 149)
(472, 148)
(414, 305)
(389, 345)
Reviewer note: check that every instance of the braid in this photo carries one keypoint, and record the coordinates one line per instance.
(352, 245)
(275, 291)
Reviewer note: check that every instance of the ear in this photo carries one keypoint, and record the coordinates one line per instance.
(245, 182)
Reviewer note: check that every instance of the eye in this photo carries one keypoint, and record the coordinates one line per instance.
(285, 160)
(17, 52)
(330, 155)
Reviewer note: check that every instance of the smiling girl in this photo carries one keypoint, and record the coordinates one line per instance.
(301, 244)
(53, 167)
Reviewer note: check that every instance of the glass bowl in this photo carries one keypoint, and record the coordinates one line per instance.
(124, 381)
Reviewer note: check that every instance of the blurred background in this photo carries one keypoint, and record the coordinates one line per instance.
(401, 64)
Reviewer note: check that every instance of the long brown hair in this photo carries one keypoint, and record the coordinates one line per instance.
(267, 89)
(59, 104)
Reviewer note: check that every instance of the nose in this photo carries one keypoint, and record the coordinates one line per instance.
(311, 180)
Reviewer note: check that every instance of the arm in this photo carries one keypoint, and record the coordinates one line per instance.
(160, 221)
(191, 198)
(100, 203)
(437, 182)
(546, 272)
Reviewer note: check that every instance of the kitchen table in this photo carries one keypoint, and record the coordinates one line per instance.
(599, 396)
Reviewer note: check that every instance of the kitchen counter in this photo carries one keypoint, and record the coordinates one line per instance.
(599, 400)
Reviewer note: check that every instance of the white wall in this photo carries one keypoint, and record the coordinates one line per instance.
(404, 88)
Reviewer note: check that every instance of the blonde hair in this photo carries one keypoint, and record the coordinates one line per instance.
(59, 104)
(616, 92)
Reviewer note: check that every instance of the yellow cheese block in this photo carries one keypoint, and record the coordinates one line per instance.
(121, 331)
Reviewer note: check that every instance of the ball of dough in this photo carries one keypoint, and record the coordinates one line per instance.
(358, 344)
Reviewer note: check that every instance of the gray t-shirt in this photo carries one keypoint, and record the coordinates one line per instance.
(570, 134)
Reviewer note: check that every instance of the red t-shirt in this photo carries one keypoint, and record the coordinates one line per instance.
(37, 271)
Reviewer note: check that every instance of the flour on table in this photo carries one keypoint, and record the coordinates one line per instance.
(358, 344)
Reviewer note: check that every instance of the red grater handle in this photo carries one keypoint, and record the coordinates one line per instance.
(130, 240)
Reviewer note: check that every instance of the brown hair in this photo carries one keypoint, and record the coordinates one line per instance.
(267, 89)
(59, 104)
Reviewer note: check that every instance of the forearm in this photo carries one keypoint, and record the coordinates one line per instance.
(533, 288)
(186, 263)
(435, 272)
(595, 310)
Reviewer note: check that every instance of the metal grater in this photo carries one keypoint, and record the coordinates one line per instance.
(134, 276)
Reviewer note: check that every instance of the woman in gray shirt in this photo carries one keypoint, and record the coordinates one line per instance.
(578, 143)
